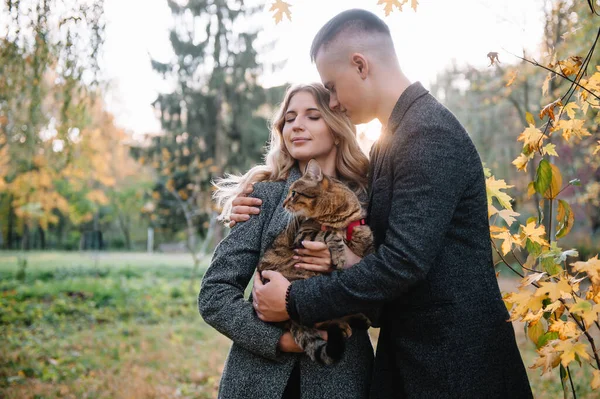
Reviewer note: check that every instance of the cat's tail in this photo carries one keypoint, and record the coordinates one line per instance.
(322, 351)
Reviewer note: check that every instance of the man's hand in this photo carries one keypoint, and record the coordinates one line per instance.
(244, 206)
(269, 298)
(315, 256)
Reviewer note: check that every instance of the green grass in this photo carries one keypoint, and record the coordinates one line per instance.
(126, 325)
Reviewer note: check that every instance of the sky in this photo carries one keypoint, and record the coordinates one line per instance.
(426, 41)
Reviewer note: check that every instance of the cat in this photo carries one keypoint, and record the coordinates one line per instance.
(326, 210)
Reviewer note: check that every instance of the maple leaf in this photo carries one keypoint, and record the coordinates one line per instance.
(569, 349)
(572, 127)
(523, 303)
(535, 330)
(555, 291)
(508, 216)
(565, 329)
(549, 109)
(532, 137)
(502, 233)
(389, 5)
(549, 149)
(587, 311)
(281, 8)
(570, 109)
(534, 234)
(570, 66)
(414, 4)
(522, 161)
(591, 268)
(493, 56)
(547, 360)
(493, 188)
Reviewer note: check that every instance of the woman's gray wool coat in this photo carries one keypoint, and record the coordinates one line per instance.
(254, 367)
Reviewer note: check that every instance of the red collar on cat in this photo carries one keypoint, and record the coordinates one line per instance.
(350, 228)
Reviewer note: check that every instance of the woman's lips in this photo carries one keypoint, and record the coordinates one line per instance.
(299, 140)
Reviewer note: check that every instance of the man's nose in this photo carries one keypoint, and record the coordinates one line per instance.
(333, 102)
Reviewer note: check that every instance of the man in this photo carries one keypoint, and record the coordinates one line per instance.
(444, 330)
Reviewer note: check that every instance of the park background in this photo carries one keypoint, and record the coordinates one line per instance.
(116, 115)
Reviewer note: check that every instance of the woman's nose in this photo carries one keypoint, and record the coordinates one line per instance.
(297, 125)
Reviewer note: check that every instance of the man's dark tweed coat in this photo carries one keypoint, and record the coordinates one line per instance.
(444, 330)
(254, 367)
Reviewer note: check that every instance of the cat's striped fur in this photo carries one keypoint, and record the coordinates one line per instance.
(321, 208)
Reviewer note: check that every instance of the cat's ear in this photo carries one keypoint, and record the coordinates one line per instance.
(313, 170)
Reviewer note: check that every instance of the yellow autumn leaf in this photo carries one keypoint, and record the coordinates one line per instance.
(597, 149)
(535, 330)
(508, 216)
(522, 161)
(390, 4)
(587, 311)
(569, 349)
(596, 380)
(549, 110)
(565, 329)
(555, 290)
(567, 67)
(549, 149)
(512, 76)
(572, 127)
(535, 234)
(570, 109)
(281, 8)
(509, 240)
(532, 137)
(524, 302)
(591, 268)
(493, 189)
(547, 360)
(414, 4)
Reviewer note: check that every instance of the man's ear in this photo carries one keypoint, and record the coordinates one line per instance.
(361, 65)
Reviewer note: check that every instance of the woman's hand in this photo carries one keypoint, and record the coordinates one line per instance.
(315, 257)
(287, 343)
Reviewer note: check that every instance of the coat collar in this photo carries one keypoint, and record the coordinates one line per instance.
(406, 100)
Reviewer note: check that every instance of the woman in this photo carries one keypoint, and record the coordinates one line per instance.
(264, 361)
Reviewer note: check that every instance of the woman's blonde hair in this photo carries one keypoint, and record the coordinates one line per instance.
(351, 163)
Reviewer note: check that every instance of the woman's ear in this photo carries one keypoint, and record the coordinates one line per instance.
(361, 65)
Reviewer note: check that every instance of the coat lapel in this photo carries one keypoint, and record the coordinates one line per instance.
(383, 144)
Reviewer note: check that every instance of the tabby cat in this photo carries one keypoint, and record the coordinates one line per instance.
(326, 210)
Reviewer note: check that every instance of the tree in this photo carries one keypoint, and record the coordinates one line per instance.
(42, 85)
(211, 121)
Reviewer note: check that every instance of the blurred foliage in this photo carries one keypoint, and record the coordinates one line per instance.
(65, 167)
(215, 120)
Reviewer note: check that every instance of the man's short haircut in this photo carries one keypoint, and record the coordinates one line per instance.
(357, 19)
